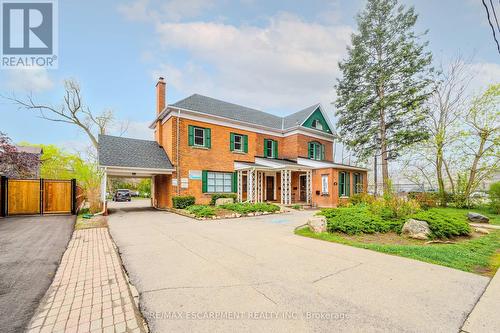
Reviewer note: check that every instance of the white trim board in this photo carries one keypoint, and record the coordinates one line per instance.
(221, 121)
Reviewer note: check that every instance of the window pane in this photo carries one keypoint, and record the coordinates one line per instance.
(227, 176)
(227, 188)
(199, 136)
(237, 139)
(211, 188)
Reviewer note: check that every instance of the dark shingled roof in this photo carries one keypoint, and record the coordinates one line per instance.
(297, 118)
(134, 153)
(215, 107)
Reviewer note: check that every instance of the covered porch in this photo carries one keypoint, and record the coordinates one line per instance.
(274, 180)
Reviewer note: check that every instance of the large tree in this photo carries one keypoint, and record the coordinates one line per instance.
(386, 80)
(15, 163)
(72, 111)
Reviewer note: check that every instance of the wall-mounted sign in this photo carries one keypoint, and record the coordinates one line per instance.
(184, 182)
(174, 181)
(195, 174)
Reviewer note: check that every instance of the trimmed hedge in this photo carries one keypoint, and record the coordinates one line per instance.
(358, 219)
(494, 194)
(216, 196)
(182, 202)
(201, 210)
(444, 225)
(245, 208)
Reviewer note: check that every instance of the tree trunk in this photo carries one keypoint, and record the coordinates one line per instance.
(473, 169)
(439, 174)
(450, 178)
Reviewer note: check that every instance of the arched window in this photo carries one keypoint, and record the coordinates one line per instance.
(316, 151)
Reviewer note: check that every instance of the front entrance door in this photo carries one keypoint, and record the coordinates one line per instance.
(302, 187)
(269, 188)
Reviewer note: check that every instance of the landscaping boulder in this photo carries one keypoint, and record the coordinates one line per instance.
(477, 218)
(223, 201)
(416, 229)
(317, 224)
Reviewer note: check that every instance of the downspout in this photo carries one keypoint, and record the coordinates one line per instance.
(177, 153)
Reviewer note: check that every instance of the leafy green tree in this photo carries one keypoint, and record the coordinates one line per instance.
(386, 79)
(144, 187)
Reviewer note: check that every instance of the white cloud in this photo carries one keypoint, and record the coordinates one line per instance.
(288, 63)
(173, 10)
(136, 10)
(484, 74)
(34, 79)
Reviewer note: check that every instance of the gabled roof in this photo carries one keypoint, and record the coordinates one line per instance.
(133, 153)
(215, 107)
(298, 118)
(219, 108)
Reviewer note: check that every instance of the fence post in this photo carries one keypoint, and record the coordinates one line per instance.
(42, 195)
(4, 200)
(73, 197)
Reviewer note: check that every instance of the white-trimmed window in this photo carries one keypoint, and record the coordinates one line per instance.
(199, 136)
(219, 182)
(324, 184)
(317, 124)
(238, 142)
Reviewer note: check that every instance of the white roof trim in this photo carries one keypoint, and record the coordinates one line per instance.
(324, 165)
(222, 121)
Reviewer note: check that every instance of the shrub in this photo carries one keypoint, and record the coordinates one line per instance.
(297, 207)
(392, 207)
(181, 202)
(245, 208)
(361, 198)
(201, 210)
(425, 199)
(443, 224)
(216, 196)
(358, 219)
(494, 194)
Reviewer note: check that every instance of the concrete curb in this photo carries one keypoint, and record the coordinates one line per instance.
(484, 316)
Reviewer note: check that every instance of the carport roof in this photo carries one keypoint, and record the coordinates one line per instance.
(117, 151)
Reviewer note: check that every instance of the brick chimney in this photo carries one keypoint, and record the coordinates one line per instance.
(161, 87)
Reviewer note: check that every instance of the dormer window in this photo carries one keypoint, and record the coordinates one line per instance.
(317, 124)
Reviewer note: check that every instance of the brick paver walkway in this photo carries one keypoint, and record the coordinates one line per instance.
(90, 292)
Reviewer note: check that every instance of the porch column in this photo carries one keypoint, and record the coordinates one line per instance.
(240, 186)
(104, 185)
(308, 186)
(251, 185)
(153, 196)
(286, 193)
(259, 196)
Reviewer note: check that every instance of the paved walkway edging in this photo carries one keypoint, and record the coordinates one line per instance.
(90, 291)
(484, 316)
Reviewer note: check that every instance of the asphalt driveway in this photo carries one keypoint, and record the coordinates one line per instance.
(255, 275)
(30, 251)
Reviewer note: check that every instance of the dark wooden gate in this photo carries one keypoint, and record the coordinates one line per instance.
(37, 196)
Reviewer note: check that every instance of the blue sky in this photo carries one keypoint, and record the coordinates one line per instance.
(279, 56)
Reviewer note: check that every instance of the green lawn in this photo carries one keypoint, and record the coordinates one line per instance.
(462, 212)
(479, 255)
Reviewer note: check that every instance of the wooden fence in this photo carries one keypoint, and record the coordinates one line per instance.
(37, 196)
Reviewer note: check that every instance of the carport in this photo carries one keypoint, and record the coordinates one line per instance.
(132, 158)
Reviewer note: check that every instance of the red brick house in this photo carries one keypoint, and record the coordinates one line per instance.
(211, 146)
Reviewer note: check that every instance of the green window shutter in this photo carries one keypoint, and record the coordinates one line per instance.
(311, 150)
(191, 135)
(245, 143)
(235, 181)
(322, 152)
(265, 145)
(208, 137)
(348, 184)
(341, 182)
(231, 144)
(204, 181)
(275, 146)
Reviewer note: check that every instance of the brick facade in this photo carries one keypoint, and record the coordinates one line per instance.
(172, 134)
